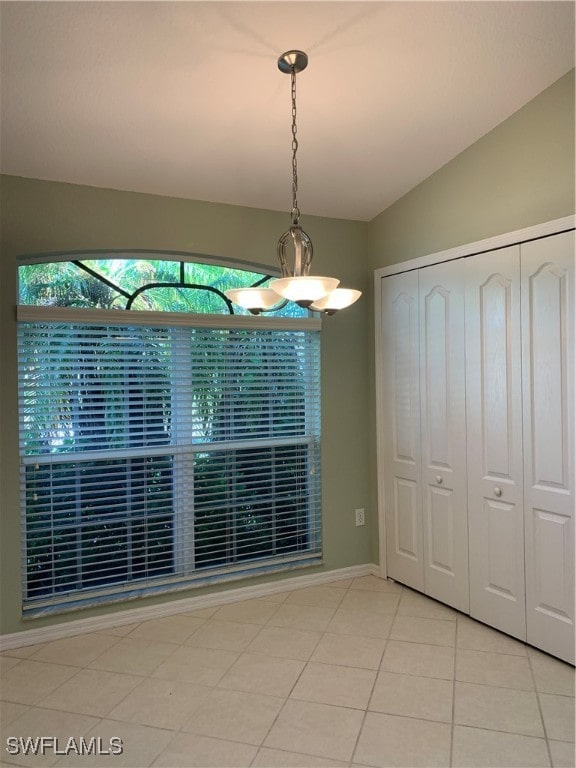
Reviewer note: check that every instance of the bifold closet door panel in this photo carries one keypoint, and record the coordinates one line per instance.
(494, 428)
(547, 269)
(443, 431)
(401, 429)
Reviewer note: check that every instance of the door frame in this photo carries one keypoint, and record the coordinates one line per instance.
(536, 232)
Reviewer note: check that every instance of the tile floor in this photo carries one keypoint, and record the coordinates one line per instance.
(355, 673)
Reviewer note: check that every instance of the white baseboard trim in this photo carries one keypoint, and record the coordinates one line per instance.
(134, 615)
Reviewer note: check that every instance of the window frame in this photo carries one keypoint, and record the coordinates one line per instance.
(178, 321)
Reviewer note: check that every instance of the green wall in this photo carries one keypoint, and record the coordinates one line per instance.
(40, 216)
(518, 175)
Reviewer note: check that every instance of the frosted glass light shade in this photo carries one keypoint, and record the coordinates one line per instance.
(304, 290)
(340, 298)
(255, 300)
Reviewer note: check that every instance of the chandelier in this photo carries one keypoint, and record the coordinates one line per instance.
(294, 249)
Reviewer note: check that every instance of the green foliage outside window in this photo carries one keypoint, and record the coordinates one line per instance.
(155, 285)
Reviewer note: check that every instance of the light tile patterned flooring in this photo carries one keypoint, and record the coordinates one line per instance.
(355, 673)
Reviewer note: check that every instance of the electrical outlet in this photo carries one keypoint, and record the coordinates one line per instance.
(360, 517)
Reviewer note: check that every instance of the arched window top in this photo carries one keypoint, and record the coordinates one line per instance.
(150, 282)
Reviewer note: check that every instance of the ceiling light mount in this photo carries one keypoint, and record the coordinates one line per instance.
(292, 61)
(296, 283)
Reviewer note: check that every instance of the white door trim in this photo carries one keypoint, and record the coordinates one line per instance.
(489, 244)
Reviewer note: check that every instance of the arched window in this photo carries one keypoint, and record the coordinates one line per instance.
(167, 283)
(165, 441)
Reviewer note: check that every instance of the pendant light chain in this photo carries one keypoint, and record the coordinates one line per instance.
(294, 248)
(295, 209)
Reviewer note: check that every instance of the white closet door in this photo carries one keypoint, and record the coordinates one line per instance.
(443, 430)
(401, 429)
(547, 267)
(494, 426)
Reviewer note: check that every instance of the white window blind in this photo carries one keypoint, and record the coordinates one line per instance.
(156, 456)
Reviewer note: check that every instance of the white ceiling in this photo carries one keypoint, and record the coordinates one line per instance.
(185, 98)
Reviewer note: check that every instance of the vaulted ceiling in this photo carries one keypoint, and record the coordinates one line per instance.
(185, 98)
